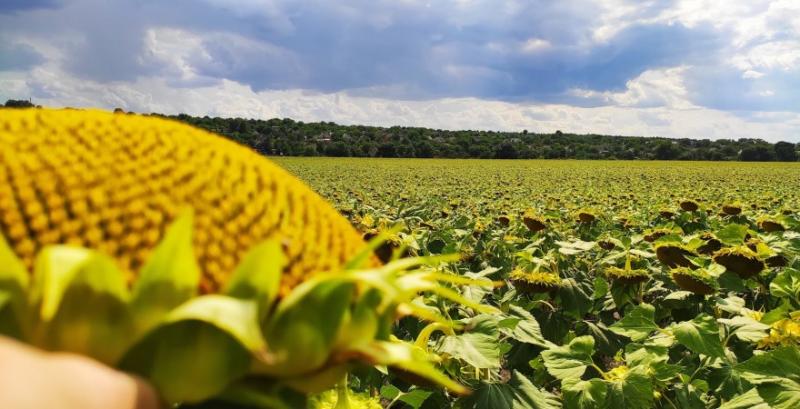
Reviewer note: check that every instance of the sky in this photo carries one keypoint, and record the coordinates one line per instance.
(683, 68)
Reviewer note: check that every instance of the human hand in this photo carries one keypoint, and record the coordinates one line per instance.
(34, 379)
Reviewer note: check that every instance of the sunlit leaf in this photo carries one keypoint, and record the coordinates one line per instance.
(700, 335)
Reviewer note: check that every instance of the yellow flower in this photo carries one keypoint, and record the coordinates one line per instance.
(330, 400)
(115, 182)
(785, 332)
(618, 373)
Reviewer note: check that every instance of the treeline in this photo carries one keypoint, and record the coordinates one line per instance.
(296, 138)
(286, 137)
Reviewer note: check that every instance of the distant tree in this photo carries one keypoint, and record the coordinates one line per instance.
(310, 150)
(286, 137)
(506, 151)
(19, 103)
(666, 150)
(756, 153)
(785, 152)
(386, 150)
(424, 150)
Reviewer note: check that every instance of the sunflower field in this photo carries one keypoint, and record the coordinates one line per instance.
(619, 284)
(226, 279)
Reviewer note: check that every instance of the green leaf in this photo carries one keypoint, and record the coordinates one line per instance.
(732, 304)
(637, 324)
(732, 234)
(787, 285)
(255, 393)
(632, 392)
(89, 306)
(570, 248)
(777, 376)
(237, 318)
(55, 268)
(600, 288)
(528, 396)
(490, 396)
(479, 347)
(13, 278)
(361, 323)
(415, 397)
(654, 357)
(773, 365)
(525, 328)
(390, 391)
(9, 324)
(688, 396)
(778, 313)
(305, 326)
(258, 276)
(569, 362)
(589, 394)
(518, 393)
(700, 335)
(408, 358)
(784, 394)
(676, 299)
(746, 328)
(169, 278)
(575, 301)
(747, 400)
(188, 361)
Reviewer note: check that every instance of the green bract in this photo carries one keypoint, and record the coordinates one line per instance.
(242, 344)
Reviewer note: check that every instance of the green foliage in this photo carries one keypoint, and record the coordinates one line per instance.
(244, 346)
(285, 137)
(635, 339)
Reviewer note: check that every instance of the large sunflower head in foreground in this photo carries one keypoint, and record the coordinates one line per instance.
(114, 183)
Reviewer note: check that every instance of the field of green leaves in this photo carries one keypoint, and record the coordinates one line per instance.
(620, 284)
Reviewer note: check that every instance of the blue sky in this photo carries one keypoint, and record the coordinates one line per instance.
(692, 68)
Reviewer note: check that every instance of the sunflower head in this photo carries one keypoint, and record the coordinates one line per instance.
(666, 213)
(657, 233)
(698, 281)
(626, 276)
(710, 245)
(732, 209)
(587, 216)
(740, 260)
(534, 281)
(113, 183)
(504, 220)
(533, 222)
(689, 205)
(674, 254)
(770, 224)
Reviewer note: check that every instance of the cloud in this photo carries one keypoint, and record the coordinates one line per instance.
(15, 6)
(653, 88)
(232, 99)
(740, 58)
(18, 56)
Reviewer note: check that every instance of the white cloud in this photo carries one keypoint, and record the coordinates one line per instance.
(627, 115)
(653, 88)
(752, 74)
(775, 55)
(534, 45)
